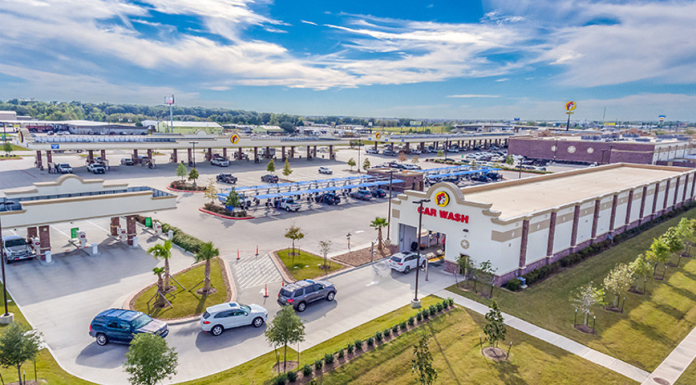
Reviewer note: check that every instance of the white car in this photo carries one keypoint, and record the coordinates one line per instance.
(219, 318)
(325, 170)
(289, 204)
(222, 162)
(406, 261)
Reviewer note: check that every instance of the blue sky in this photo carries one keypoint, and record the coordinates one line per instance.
(498, 59)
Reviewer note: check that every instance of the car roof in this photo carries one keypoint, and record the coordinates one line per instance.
(126, 315)
(298, 285)
(11, 237)
(222, 307)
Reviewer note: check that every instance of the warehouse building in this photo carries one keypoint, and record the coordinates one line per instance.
(602, 149)
(521, 225)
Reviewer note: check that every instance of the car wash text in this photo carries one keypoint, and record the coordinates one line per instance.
(445, 215)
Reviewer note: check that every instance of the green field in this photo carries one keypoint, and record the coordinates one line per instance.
(689, 376)
(651, 326)
(306, 265)
(186, 303)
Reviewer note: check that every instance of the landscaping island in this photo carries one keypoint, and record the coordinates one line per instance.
(305, 265)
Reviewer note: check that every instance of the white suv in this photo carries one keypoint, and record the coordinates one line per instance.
(218, 318)
(404, 262)
(325, 170)
(289, 204)
(222, 162)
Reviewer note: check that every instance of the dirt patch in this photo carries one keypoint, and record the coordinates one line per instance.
(495, 354)
(613, 308)
(210, 291)
(362, 256)
(291, 365)
(635, 291)
(671, 264)
(584, 329)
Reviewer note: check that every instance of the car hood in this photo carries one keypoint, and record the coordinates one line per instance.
(152, 327)
(257, 309)
(18, 249)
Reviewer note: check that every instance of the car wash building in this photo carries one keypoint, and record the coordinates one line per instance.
(521, 225)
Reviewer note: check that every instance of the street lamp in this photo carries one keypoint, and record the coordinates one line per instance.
(348, 237)
(391, 177)
(6, 318)
(416, 303)
(194, 152)
(359, 143)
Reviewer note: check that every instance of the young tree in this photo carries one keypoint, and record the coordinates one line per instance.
(150, 360)
(687, 232)
(673, 240)
(193, 175)
(415, 159)
(232, 199)
(495, 327)
(286, 328)
(619, 281)
(325, 248)
(158, 271)
(378, 224)
(271, 166)
(164, 252)
(440, 154)
(487, 273)
(7, 147)
(207, 252)
(402, 157)
(586, 297)
(422, 363)
(181, 171)
(294, 233)
(466, 266)
(18, 346)
(366, 164)
(641, 270)
(351, 163)
(286, 169)
(211, 191)
(658, 253)
(510, 160)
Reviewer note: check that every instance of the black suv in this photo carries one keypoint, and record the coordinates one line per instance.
(227, 178)
(269, 178)
(118, 325)
(378, 193)
(301, 293)
(329, 199)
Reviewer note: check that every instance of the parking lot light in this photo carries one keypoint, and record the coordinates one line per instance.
(4, 280)
(416, 303)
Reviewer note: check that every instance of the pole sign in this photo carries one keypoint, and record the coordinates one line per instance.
(570, 107)
(662, 118)
(169, 99)
(234, 139)
(148, 222)
(73, 232)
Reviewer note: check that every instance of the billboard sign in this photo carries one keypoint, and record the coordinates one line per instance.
(169, 99)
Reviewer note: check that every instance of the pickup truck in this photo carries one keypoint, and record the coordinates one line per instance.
(97, 168)
(64, 168)
(289, 204)
(227, 178)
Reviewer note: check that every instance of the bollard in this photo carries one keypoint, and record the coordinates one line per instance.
(135, 241)
(238, 254)
(47, 256)
(95, 249)
(170, 234)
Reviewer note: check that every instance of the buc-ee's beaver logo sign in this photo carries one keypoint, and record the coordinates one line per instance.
(442, 199)
(234, 139)
(378, 136)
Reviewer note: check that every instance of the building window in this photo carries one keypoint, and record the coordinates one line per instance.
(571, 149)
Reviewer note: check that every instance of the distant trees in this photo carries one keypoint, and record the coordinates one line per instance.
(7, 147)
(193, 175)
(287, 127)
(211, 191)
(271, 166)
(366, 164)
(232, 199)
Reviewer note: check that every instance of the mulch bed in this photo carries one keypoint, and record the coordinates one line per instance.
(613, 308)
(635, 291)
(584, 329)
(184, 187)
(203, 210)
(495, 354)
(362, 256)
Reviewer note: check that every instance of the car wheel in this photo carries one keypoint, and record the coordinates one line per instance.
(331, 296)
(258, 321)
(217, 330)
(301, 307)
(102, 339)
(287, 208)
(407, 269)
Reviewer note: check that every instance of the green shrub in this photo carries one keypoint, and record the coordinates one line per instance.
(513, 284)
(439, 307)
(341, 353)
(411, 321)
(292, 376)
(318, 364)
(378, 337)
(386, 332)
(370, 341)
(402, 326)
(426, 314)
(281, 379)
(350, 348)
(313, 382)
(328, 358)
(419, 316)
(432, 310)
(445, 304)
(307, 370)
(451, 301)
(395, 329)
(358, 345)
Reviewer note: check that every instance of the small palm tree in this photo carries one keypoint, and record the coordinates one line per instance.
(158, 271)
(206, 253)
(163, 251)
(378, 224)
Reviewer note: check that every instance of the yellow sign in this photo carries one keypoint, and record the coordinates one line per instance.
(442, 199)
(570, 106)
(234, 139)
(378, 136)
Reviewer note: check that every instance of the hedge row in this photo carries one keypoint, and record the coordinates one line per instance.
(180, 238)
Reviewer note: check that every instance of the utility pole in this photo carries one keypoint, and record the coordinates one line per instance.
(6, 318)
(416, 303)
(391, 175)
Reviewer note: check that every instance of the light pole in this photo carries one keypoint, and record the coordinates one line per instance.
(359, 143)
(194, 153)
(416, 303)
(391, 177)
(6, 318)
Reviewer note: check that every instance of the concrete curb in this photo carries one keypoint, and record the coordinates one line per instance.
(286, 274)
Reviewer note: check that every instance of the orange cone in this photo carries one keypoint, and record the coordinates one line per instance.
(257, 250)
(265, 291)
(238, 254)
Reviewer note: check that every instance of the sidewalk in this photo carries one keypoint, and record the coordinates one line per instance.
(676, 363)
(564, 343)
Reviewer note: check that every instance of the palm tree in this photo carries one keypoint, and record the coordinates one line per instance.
(163, 251)
(206, 253)
(160, 289)
(378, 224)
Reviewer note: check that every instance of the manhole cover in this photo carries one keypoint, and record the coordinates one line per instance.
(661, 381)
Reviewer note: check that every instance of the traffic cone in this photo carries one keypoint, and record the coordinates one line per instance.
(238, 254)
(265, 291)
(257, 250)
(283, 284)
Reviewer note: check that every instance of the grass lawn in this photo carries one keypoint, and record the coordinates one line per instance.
(46, 366)
(649, 329)
(689, 376)
(186, 304)
(306, 265)
(453, 339)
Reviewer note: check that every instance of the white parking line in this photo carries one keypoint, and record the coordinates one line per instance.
(99, 227)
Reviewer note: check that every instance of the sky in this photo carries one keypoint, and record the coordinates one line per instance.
(496, 59)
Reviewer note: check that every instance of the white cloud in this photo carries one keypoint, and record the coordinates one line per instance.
(502, 80)
(473, 96)
(308, 22)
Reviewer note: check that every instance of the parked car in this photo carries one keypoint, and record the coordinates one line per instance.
(378, 193)
(411, 167)
(301, 293)
(371, 150)
(16, 248)
(325, 170)
(127, 162)
(120, 326)
(414, 151)
(406, 261)
(289, 204)
(226, 178)
(97, 168)
(269, 178)
(219, 161)
(364, 195)
(388, 152)
(64, 168)
(219, 318)
(330, 199)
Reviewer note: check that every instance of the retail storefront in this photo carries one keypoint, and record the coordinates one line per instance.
(521, 225)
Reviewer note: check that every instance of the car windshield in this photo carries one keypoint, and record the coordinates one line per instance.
(15, 242)
(285, 293)
(64, 165)
(246, 308)
(396, 259)
(141, 321)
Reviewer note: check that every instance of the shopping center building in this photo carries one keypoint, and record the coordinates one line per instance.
(521, 225)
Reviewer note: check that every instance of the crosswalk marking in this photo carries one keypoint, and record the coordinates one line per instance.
(252, 271)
